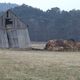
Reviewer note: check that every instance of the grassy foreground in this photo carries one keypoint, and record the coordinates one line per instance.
(39, 65)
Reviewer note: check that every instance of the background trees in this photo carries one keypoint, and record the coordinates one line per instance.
(50, 24)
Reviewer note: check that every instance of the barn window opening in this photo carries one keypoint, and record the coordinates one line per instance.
(7, 14)
(8, 21)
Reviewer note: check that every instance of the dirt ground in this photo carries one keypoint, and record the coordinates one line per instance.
(38, 45)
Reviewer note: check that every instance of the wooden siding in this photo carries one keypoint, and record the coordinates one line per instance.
(24, 41)
(13, 35)
(3, 39)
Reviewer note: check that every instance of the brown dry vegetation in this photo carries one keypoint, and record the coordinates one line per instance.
(62, 45)
(39, 65)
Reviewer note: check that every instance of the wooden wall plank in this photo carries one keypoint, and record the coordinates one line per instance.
(13, 35)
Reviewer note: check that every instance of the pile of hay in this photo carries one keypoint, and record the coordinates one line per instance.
(62, 45)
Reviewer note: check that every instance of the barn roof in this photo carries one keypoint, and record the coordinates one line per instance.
(19, 17)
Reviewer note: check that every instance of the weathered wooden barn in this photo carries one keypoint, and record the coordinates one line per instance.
(13, 32)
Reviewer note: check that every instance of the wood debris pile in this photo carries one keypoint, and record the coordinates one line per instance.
(62, 45)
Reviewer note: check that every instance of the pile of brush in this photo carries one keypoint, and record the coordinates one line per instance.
(62, 45)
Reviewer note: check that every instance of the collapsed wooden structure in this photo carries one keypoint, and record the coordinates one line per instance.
(13, 32)
(62, 45)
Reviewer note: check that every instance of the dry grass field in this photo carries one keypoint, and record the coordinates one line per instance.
(39, 65)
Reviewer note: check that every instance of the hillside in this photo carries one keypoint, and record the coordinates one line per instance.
(51, 24)
(6, 6)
